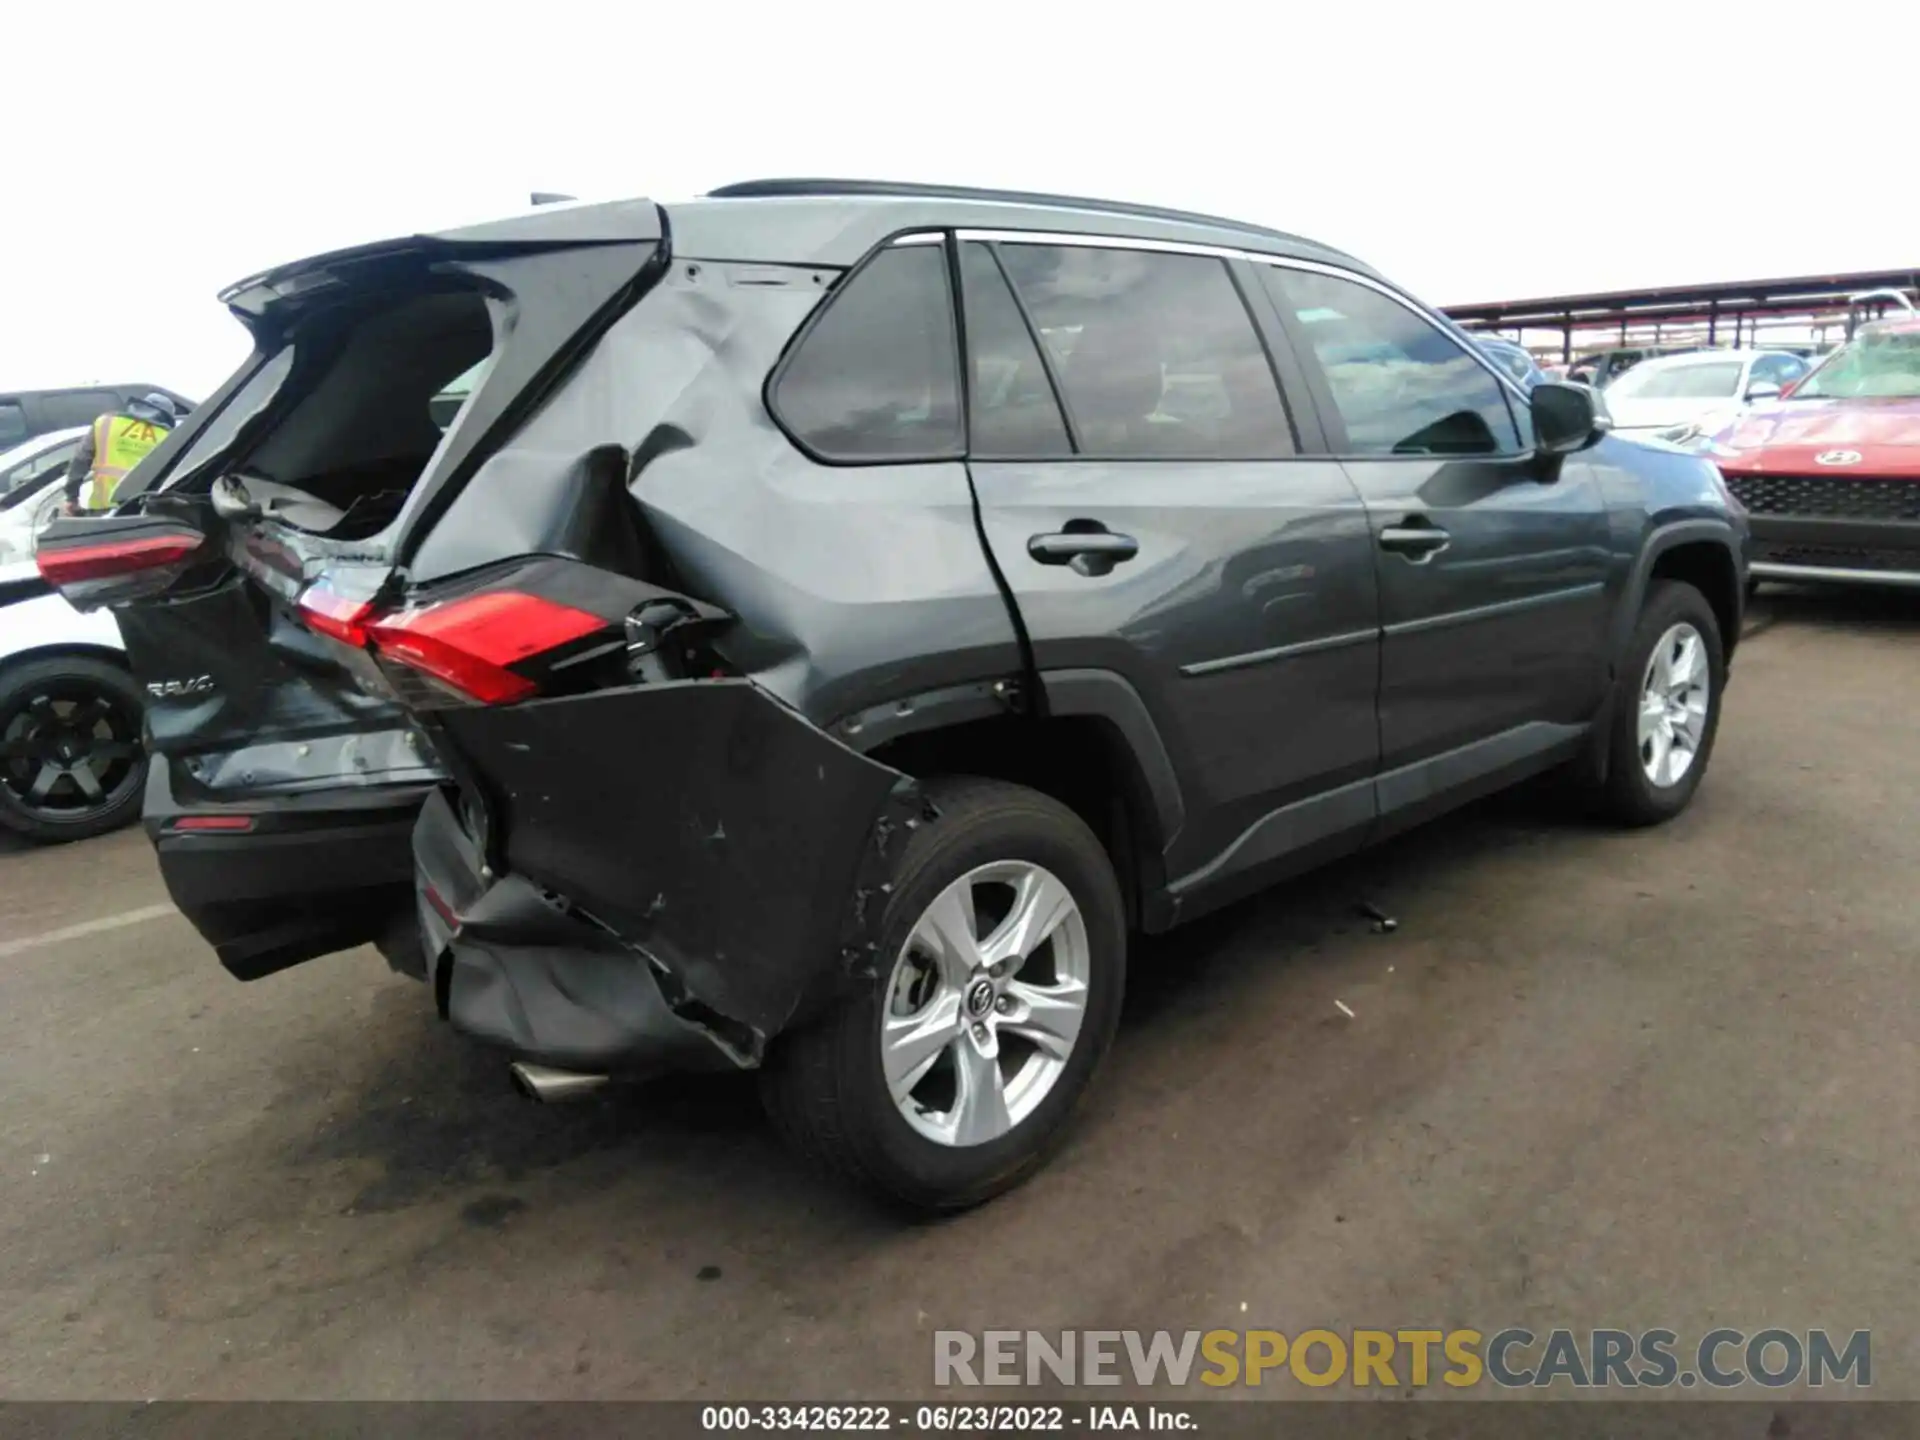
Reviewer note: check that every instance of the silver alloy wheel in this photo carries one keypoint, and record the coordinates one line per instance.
(985, 1003)
(1674, 697)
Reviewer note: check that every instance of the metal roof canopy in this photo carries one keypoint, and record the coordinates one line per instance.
(1809, 296)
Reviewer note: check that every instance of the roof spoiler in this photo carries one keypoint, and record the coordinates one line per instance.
(549, 226)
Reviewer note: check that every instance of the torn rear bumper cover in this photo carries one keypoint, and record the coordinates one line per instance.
(681, 871)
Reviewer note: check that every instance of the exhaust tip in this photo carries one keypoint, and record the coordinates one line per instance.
(549, 1086)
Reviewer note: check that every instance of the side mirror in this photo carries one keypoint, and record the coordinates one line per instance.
(1763, 390)
(1567, 417)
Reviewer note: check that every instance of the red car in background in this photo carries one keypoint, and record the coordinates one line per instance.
(1830, 472)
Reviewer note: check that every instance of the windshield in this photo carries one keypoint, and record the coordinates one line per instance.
(1712, 381)
(1884, 365)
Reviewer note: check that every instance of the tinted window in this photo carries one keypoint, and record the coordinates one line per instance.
(13, 422)
(1403, 386)
(1156, 353)
(877, 377)
(1015, 412)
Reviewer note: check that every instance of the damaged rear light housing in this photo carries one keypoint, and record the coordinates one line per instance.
(330, 613)
(96, 561)
(110, 559)
(542, 626)
(469, 646)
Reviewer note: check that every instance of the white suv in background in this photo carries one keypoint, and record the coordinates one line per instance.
(71, 761)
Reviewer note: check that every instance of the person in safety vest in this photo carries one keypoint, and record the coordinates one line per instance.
(116, 443)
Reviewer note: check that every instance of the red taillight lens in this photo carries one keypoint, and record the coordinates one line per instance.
(71, 564)
(469, 644)
(331, 613)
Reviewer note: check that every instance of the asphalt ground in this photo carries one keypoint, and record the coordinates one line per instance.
(1665, 1078)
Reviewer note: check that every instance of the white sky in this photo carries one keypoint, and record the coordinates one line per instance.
(1472, 149)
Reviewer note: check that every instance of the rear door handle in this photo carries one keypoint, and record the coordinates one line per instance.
(1087, 551)
(1417, 538)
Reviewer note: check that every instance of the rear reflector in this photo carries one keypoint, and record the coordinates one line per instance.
(213, 822)
(468, 644)
(70, 564)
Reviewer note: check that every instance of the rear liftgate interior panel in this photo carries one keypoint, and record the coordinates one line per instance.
(713, 830)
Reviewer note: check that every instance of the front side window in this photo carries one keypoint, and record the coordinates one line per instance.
(1155, 353)
(877, 375)
(1778, 369)
(1402, 385)
(13, 422)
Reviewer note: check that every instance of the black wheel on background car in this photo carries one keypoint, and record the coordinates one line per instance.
(1666, 709)
(71, 760)
(952, 1075)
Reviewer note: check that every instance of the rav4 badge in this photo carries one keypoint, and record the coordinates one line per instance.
(167, 689)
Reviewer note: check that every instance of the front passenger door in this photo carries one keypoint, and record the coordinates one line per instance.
(1493, 564)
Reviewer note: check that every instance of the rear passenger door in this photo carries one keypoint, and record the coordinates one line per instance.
(1144, 491)
(1493, 564)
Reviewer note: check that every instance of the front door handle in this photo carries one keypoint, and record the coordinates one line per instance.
(1088, 547)
(1416, 537)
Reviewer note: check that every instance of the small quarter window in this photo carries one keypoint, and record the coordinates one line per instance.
(877, 377)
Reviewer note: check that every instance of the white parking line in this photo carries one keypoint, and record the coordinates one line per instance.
(85, 928)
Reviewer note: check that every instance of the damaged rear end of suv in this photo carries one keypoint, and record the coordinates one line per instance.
(493, 617)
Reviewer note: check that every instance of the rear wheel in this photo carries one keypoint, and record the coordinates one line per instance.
(1666, 709)
(71, 760)
(951, 1075)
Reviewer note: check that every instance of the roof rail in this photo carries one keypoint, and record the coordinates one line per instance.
(747, 189)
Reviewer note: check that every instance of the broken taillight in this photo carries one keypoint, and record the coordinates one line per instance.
(469, 645)
(109, 559)
(331, 613)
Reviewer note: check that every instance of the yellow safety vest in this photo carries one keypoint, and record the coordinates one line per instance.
(120, 442)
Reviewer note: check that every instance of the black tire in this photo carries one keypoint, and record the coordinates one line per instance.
(41, 710)
(825, 1087)
(1630, 797)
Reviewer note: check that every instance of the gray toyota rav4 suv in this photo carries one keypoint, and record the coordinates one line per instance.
(839, 615)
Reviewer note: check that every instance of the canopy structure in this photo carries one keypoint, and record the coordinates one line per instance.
(1732, 312)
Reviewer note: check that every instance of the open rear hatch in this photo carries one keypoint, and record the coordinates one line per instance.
(630, 854)
(287, 774)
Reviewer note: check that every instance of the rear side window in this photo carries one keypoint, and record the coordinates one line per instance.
(1402, 385)
(877, 376)
(1156, 353)
(1015, 412)
(13, 422)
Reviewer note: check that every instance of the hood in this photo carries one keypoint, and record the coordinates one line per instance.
(1662, 413)
(1788, 436)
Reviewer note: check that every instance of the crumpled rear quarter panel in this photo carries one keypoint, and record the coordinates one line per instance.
(701, 821)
